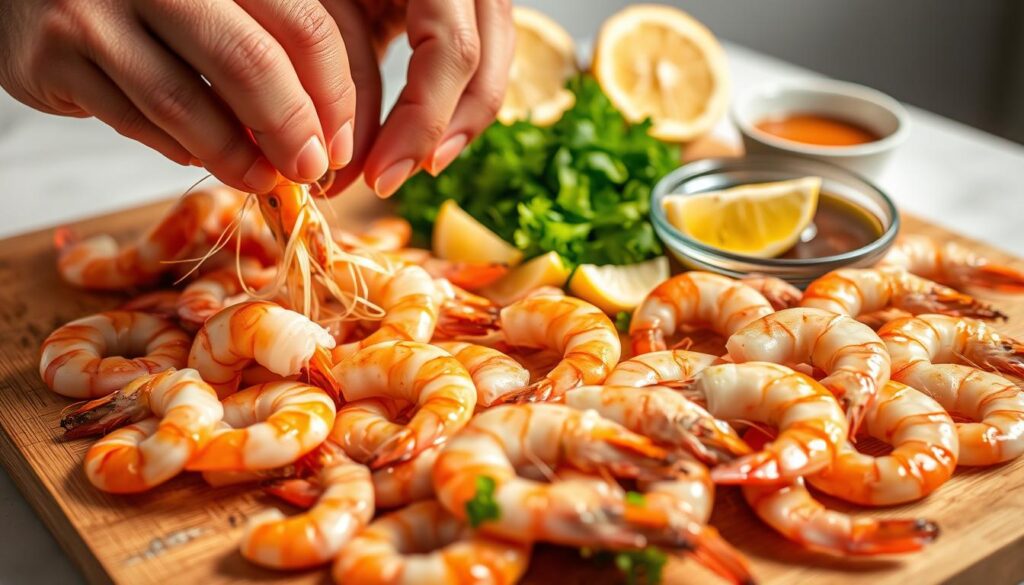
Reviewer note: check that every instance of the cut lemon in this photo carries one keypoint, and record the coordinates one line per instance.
(618, 288)
(459, 237)
(545, 57)
(762, 219)
(546, 270)
(658, 62)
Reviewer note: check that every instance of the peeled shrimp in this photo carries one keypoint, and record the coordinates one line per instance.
(779, 293)
(163, 303)
(467, 275)
(280, 340)
(417, 373)
(211, 292)
(952, 264)
(695, 299)
(495, 374)
(993, 402)
(659, 367)
(810, 422)
(943, 339)
(423, 543)
(85, 358)
(386, 234)
(665, 416)
(143, 455)
(267, 426)
(859, 291)
(924, 455)
(578, 331)
(852, 356)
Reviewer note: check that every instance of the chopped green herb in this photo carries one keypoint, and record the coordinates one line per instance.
(635, 498)
(580, 187)
(642, 566)
(622, 320)
(483, 507)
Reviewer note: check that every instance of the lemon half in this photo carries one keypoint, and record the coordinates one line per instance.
(618, 288)
(544, 59)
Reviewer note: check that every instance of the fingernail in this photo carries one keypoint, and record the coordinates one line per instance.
(392, 178)
(446, 153)
(261, 176)
(341, 146)
(312, 161)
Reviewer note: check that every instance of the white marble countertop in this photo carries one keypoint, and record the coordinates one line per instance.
(55, 170)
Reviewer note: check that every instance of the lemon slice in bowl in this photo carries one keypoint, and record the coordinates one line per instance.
(544, 58)
(658, 62)
(546, 270)
(761, 219)
(618, 288)
(459, 237)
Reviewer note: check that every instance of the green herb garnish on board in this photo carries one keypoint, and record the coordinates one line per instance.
(483, 506)
(622, 321)
(580, 187)
(642, 566)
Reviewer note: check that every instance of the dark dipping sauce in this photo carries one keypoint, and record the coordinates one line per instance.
(841, 226)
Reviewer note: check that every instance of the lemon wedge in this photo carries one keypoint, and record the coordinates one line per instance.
(544, 58)
(546, 270)
(658, 62)
(762, 219)
(618, 288)
(459, 237)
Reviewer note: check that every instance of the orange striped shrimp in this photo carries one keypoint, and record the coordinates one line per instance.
(416, 373)
(468, 275)
(141, 456)
(423, 543)
(386, 234)
(944, 339)
(267, 426)
(495, 374)
(85, 358)
(659, 367)
(694, 299)
(778, 292)
(280, 340)
(852, 356)
(859, 291)
(211, 292)
(952, 264)
(344, 507)
(811, 424)
(924, 455)
(163, 303)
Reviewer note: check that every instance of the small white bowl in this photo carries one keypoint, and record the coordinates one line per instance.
(850, 102)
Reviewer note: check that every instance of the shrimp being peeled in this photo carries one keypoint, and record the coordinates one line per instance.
(659, 367)
(694, 299)
(944, 339)
(952, 264)
(94, 356)
(853, 357)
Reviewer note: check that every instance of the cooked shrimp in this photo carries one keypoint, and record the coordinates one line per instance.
(852, 356)
(924, 454)
(92, 356)
(576, 330)
(270, 425)
(477, 477)
(211, 292)
(689, 491)
(694, 299)
(659, 367)
(280, 340)
(423, 543)
(943, 339)
(993, 402)
(417, 373)
(952, 264)
(386, 234)
(810, 422)
(143, 455)
(314, 537)
(495, 374)
(159, 302)
(665, 416)
(467, 275)
(779, 293)
(859, 291)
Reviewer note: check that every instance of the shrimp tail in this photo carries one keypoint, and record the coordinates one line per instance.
(461, 318)
(634, 444)
(872, 537)
(301, 493)
(1008, 357)
(997, 277)
(102, 415)
(319, 373)
(474, 275)
(948, 301)
(402, 446)
(715, 553)
(539, 391)
(720, 443)
(759, 468)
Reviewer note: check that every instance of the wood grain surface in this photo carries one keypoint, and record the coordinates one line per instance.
(187, 532)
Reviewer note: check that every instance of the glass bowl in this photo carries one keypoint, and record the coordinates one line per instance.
(722, 173)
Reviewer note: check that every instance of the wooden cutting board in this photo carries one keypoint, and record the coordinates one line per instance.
(187, 532)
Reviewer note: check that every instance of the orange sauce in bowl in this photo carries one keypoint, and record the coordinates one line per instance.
(817, 130)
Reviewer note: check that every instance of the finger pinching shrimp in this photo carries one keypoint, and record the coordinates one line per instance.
(859, 291)
(695, 299)
(952, 264)
(268, 426)
(924, 455)
(85, 358)
(424, 543)
(495, 374)
(280, 340)
(944, 339)
(853, 357)
(810, 422)
(143, 455)
(659, 367)
(416, 373)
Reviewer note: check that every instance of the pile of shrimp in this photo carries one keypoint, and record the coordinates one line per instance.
(429, 435)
